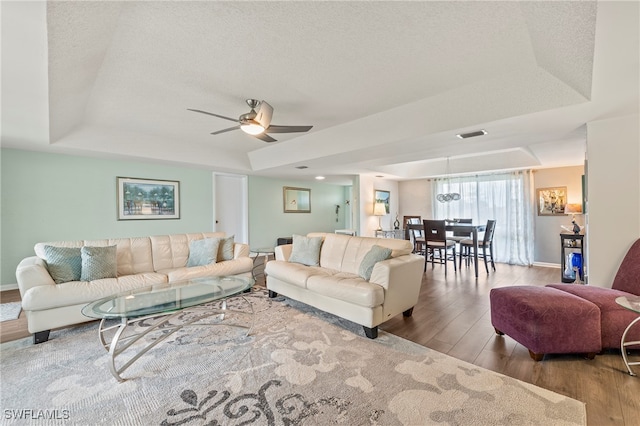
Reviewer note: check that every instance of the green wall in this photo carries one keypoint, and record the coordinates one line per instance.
(52, 197)
(268, 222)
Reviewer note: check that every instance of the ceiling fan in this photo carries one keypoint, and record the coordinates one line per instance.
(256, 123)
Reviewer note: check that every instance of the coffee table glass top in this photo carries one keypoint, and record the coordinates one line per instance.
(630, 302)
(167, 297)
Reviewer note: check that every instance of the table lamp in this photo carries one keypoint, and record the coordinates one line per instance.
(574, 209)
(379, 210)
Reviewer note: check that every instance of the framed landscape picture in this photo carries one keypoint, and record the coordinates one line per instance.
(380, 196)
(140, 199)
(551, 201)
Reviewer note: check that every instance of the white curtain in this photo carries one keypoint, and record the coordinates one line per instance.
(505, 197)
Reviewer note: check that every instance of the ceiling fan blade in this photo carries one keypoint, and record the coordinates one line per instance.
(264, 114)
(264, 137)
(226, 130)
(288, 129)
(215, 115)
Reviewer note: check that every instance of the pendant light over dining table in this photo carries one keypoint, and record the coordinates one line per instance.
(450, 196)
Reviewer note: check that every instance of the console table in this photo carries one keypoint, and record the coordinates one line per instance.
(569, 243)
(390, 233)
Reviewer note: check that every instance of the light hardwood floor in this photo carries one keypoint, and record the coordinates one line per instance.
(453, 317)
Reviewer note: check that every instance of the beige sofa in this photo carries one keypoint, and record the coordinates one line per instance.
(335, 286)
(141, 262)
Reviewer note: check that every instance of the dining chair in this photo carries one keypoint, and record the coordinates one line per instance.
(435, 236)
(486, 243)
(415, 234)
(406, 220)
(460, 235)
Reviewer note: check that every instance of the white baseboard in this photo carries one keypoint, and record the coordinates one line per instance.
(4, 287)
(547, 265)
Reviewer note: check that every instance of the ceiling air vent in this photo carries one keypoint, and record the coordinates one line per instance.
(472, 134)
(302, 167)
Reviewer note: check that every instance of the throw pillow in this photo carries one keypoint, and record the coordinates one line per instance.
(373, 256)
(63, 263)
(203, 252)
(225, 250)
(306, 250)
(98, 263)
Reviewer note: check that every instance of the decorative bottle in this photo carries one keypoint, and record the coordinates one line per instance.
(396, 223)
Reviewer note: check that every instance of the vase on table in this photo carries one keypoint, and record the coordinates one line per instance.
(396, 223)
(569, 274)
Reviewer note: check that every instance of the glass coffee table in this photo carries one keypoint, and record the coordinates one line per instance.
(633, 304)
(163, 306)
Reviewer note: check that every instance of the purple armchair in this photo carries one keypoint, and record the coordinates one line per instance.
(613, 317)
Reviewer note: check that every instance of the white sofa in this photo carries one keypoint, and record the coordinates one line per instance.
(141, 262)
(335, 286)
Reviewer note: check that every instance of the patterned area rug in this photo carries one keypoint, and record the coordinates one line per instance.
(10, 311)
(298, 366)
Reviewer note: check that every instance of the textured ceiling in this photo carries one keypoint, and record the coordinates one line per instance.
(386, 85)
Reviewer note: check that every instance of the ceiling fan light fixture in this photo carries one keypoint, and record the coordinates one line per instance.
(252, 128)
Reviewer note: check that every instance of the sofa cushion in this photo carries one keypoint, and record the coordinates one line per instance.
(172, 251)
(347, 287)
(373, 256)
(294, 273)
(80, 292)
(306, 250)
(63, 263)
(203, 252)
(98, 263)
(225, 249)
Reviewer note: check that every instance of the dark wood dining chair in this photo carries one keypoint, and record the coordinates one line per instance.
(486, 243)
(435, 236)
(406, 220)
(460, 235)
(415, 234)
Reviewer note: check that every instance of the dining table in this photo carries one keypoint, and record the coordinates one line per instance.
(468, 228)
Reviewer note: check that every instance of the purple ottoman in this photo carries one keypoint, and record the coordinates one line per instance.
(546, 320)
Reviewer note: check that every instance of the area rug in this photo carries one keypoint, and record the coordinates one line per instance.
(298, 366)
(10, 311)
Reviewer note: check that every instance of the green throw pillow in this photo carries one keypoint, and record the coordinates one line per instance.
(98, 263)
(203, 252)
(225, 250)
(306, 250)
(63, 263)
(373, 256)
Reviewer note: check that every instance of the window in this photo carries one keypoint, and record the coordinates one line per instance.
(505, 197)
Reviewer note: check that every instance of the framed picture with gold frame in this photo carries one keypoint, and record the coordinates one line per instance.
(551, 201)
(296, 200)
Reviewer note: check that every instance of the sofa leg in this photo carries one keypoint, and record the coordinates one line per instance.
(536, 357)
(371, 333)
(272, 294)
(408, 312)
(498, 332)
(41, 336)
(591, 355)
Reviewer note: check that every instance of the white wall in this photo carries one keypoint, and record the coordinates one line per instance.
(368, 222)
(415, 198)
(547, 228)
(613, 194)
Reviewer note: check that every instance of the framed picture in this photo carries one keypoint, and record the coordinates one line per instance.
(140, 199)
(382, 197)
(551, 201)
(296, 200)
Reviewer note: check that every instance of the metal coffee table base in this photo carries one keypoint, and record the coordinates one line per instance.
(624, 344)
(121, 342)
